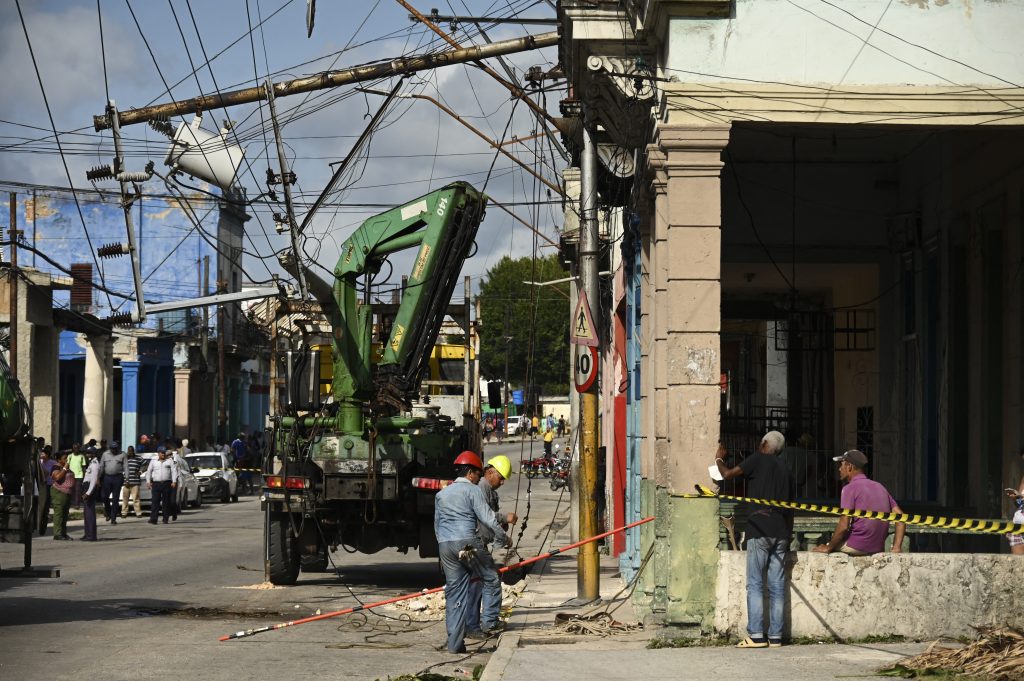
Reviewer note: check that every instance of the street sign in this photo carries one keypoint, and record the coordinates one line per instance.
(584, 367)
(583, 331)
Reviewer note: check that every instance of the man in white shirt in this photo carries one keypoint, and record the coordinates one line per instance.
(162, 478)
(91, 489)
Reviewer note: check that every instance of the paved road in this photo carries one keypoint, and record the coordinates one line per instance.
(152, 600)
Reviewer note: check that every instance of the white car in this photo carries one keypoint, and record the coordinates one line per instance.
(188, 487)
(215, 476)
(517, 425)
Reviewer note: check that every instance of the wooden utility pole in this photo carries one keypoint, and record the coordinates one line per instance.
(330, 79)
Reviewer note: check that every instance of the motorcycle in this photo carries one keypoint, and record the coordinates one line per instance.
(559, 479)
(536, 467)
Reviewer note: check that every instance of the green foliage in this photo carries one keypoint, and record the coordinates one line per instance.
(537, 314)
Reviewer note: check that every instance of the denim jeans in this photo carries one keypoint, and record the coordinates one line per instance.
(474, 620)
(766, 556)
(457, 576)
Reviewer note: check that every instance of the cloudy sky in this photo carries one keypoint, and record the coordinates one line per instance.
(416, 149)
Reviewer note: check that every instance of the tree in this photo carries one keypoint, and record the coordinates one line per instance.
(535, 318)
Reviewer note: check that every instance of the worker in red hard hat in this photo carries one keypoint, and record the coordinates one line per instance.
(457, 510)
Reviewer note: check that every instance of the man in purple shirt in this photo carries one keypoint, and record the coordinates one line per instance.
(862, 536)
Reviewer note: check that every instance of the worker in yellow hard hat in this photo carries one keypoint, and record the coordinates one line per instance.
(496, 472)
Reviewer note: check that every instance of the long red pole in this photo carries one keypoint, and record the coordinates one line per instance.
(416, 594)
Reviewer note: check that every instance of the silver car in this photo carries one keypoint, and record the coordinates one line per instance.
(188, 486)
(215, 476)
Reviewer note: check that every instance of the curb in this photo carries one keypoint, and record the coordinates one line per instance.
(495, 669)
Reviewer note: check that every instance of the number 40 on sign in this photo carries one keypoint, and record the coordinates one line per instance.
(584, 367)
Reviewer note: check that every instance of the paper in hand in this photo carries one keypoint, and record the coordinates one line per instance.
(714, 473)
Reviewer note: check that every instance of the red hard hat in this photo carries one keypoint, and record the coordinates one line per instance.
(468, 458)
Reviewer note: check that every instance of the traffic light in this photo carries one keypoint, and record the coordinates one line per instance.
(494, 394)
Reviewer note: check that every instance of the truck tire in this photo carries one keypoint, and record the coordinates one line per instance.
(282, 550)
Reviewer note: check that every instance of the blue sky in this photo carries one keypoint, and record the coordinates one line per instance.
(416, 149)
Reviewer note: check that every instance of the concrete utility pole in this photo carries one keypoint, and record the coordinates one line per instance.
(588, 581)
(12, 352)
(330, 79)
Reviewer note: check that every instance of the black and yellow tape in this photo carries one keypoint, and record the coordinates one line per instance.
(961, 524)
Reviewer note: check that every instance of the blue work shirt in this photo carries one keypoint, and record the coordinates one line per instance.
(457, 510)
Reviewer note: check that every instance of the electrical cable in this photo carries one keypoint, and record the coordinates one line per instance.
(64, 162)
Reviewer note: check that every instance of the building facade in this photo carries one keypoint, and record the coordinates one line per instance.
(821, 234)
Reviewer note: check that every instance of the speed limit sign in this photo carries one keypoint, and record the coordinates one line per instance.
(584, 367)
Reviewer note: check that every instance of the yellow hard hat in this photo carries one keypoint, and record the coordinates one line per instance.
(502, 465)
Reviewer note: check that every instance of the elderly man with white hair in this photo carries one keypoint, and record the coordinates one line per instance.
(768, 534)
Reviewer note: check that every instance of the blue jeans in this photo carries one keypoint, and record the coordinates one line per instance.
(766, 555)
(476, 594)
(457, 577)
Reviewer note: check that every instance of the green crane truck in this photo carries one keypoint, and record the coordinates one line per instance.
(360, 470)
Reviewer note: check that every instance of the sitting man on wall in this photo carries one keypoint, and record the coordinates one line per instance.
(862, 536)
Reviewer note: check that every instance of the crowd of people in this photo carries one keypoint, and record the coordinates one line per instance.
(100, 474)
(495, 427)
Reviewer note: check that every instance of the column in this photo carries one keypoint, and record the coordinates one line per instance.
(182, 378)
(108, 388)
(129, 403)
(687, 309)
(95, 388)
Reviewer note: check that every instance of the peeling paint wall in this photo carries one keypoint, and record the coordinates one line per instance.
(917, 595)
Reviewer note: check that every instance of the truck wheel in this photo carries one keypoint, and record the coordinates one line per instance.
(282, 550)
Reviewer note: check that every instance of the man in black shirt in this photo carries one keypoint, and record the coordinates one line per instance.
(768, 534)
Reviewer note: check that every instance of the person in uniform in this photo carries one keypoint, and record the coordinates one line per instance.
(494, 476)
(458, 508)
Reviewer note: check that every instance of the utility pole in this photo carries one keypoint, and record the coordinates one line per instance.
(588, 580)
(286, 183)
(331, 79)
(13, 287)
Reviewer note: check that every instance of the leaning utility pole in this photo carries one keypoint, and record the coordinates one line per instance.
(330, 79)
(12, 352)
(588, 581)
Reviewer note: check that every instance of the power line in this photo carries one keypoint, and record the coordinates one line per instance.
(64, 162)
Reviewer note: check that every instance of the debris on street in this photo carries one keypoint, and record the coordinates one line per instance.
(998, 654)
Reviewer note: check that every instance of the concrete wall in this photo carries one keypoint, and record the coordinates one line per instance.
(917, 595)
(807, 41)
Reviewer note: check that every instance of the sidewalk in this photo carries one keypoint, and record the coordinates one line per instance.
(534, 648)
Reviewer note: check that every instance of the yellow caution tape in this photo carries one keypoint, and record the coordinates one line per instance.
(965, 524)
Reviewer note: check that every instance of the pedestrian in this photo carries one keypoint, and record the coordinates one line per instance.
(1017, 540)
(60, 491)
(551, 422)
(46, 466)
(143, 444)
(534, 426)
(549, 438)
(862, 536)
(457, 510)
(112, 463)
(162, 478)
(768, 533)
(132, 483)
(499, 428)
(77, 461)
(494, 476)
(561, 426)
(91, 486)
(240, 460)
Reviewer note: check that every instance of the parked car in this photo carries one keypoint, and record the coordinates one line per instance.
(188, 486)
(516, 425)
(215, 476)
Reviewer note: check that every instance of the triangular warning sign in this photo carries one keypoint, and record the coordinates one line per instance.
(583, 331)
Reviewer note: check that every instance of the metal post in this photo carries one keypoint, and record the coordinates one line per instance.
(222, 412)
(588, 576)
(287, 186)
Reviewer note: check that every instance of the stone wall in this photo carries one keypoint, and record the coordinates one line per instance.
(917, 595)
